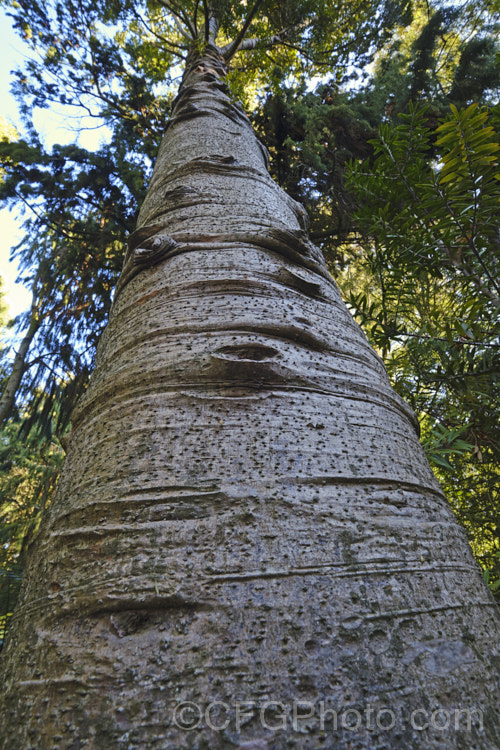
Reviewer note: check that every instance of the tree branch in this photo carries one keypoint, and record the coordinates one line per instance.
(195, 18)
(233, 48)
(279, 38)
(249, 44)
(206, 14)
(174, 47)
(182, 32)
(213, 25)
(179, 16)
(8, 399)
(47, 222)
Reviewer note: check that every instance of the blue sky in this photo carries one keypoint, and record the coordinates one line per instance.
(18, 298)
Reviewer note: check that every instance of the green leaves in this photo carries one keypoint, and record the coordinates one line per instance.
(441, 443)
(29, 467)
(470, 148)
(445, 214)
(492, 574)
(70, 256)
(428, 266)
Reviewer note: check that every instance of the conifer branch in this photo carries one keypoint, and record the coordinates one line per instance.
(179, 16)
(205, 13)
(174, 48)
(195, 18)
(279, 38)
(233, 48)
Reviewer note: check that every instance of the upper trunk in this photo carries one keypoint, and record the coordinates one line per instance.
(245, 512)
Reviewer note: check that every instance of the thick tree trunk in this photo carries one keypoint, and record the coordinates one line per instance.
(245, 512)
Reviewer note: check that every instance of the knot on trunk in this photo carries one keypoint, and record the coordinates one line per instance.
(152, 251)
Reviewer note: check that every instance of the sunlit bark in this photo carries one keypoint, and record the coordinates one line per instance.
(245, 512)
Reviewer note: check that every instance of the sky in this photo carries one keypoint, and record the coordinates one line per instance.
(54, 126)
(18, 298)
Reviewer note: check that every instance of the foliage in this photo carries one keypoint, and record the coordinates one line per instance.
(29, 467)
(311, 136)
(118, 60)
(428, 215)
(439, 55)
(70, 256)
(446, 55)
(3, 308)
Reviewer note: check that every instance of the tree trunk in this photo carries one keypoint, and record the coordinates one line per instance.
(8, 397)
(245, 513)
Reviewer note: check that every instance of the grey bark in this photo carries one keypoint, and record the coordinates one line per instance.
(245, 512)
(8, 397)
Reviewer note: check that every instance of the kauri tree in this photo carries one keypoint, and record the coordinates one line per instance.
(246, 524)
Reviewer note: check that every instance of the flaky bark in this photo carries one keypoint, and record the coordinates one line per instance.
(245, 512)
